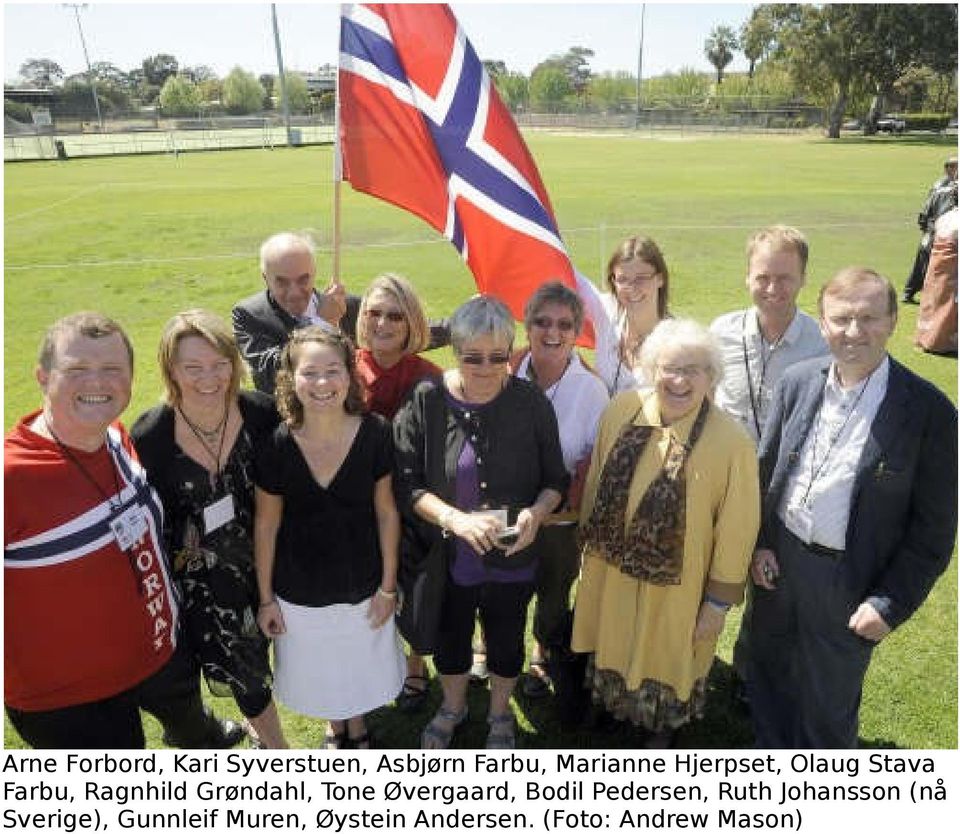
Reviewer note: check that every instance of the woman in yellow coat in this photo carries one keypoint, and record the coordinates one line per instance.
(669, 520)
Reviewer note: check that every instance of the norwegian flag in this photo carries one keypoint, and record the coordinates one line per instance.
(422, 127)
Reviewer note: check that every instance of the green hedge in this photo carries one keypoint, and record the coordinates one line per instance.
(927, 121)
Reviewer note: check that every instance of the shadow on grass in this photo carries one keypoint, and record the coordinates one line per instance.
(725, 723)
(904, 141)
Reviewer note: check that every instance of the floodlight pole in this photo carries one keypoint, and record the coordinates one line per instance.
(284, 103)
(643, 12)
(93, 82)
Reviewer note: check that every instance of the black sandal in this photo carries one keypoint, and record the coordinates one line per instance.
(366, 738)
(412, 698)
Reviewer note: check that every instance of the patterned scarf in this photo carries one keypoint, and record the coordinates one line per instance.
(652, 547)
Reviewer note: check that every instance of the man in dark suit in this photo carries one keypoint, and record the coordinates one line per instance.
(263, 322)
(858, 466)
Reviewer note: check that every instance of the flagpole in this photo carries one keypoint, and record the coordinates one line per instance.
(337, 169)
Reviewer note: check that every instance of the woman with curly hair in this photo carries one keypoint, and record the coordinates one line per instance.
(326, 539)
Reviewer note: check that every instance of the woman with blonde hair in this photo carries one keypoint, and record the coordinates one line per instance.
(198, 449)
(391, 331)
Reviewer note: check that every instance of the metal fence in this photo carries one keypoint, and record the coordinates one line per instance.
(182, 140)
(72, 138)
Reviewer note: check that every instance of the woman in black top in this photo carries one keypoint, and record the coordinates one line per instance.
(327, 539)
(198, 451)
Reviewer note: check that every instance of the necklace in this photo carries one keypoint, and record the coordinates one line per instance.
(208, 434)
(207, 437)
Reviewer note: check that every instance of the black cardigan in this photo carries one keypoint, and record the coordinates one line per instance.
(518, 452)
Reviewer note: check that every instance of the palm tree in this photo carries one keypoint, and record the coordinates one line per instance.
(718, 47)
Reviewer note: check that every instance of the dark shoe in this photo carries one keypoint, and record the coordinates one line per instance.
(909, 298)
(229, 734)
(662, 740)
(412, 697)
(222, 735)
(362, 742)
(536, 683)
(336, 741)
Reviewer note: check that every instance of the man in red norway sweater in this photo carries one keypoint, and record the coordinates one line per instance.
(90, 612)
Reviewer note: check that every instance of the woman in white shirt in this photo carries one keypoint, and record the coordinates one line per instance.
(638, 282)
(554, 318)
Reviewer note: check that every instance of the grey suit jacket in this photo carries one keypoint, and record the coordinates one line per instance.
(903, 514)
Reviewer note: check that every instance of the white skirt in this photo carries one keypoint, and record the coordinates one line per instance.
(330, 664)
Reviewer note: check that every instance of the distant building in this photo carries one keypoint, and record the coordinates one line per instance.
(324, 80)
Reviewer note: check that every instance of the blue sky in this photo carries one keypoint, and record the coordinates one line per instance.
(223, 35)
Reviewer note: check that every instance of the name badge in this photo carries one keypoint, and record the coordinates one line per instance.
(129, 527)
(799, 521)
(218, 513)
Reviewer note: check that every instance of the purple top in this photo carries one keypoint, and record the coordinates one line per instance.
(468, 569)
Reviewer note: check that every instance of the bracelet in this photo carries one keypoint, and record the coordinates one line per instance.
(387, 594)
(720, 605)
(270, 602)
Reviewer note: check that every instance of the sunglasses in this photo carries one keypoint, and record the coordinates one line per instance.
(495, 358)
(545, 323)
(393, 316)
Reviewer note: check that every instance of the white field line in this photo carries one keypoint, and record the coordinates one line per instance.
(49, 206)
(423, 242)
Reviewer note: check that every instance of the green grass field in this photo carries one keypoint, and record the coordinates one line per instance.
(140, 238)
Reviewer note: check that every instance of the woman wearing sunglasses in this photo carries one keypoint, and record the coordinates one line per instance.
(638, 284)
(479, 461)
(553, 318)
(392, 329)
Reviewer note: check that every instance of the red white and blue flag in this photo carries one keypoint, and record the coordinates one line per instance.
(422, 127)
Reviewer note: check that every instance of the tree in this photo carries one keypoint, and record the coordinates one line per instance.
(838, 51)
(514, 89)
(298, 93)
(242, 93)
(76, 98)
(211, 91)
(198, 73)
(179, 96)
(902, 37)
(614, 92)
(41, 72)
(718, 48)
(756, 38)
(574, 64)
(106, 73)
(495, 69)
(158, 68)
(549, 86)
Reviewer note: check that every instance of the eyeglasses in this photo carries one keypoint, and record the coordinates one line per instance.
(393, 316)
(496, 358)
(545, 323)
(634, 280)
(686, 371)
